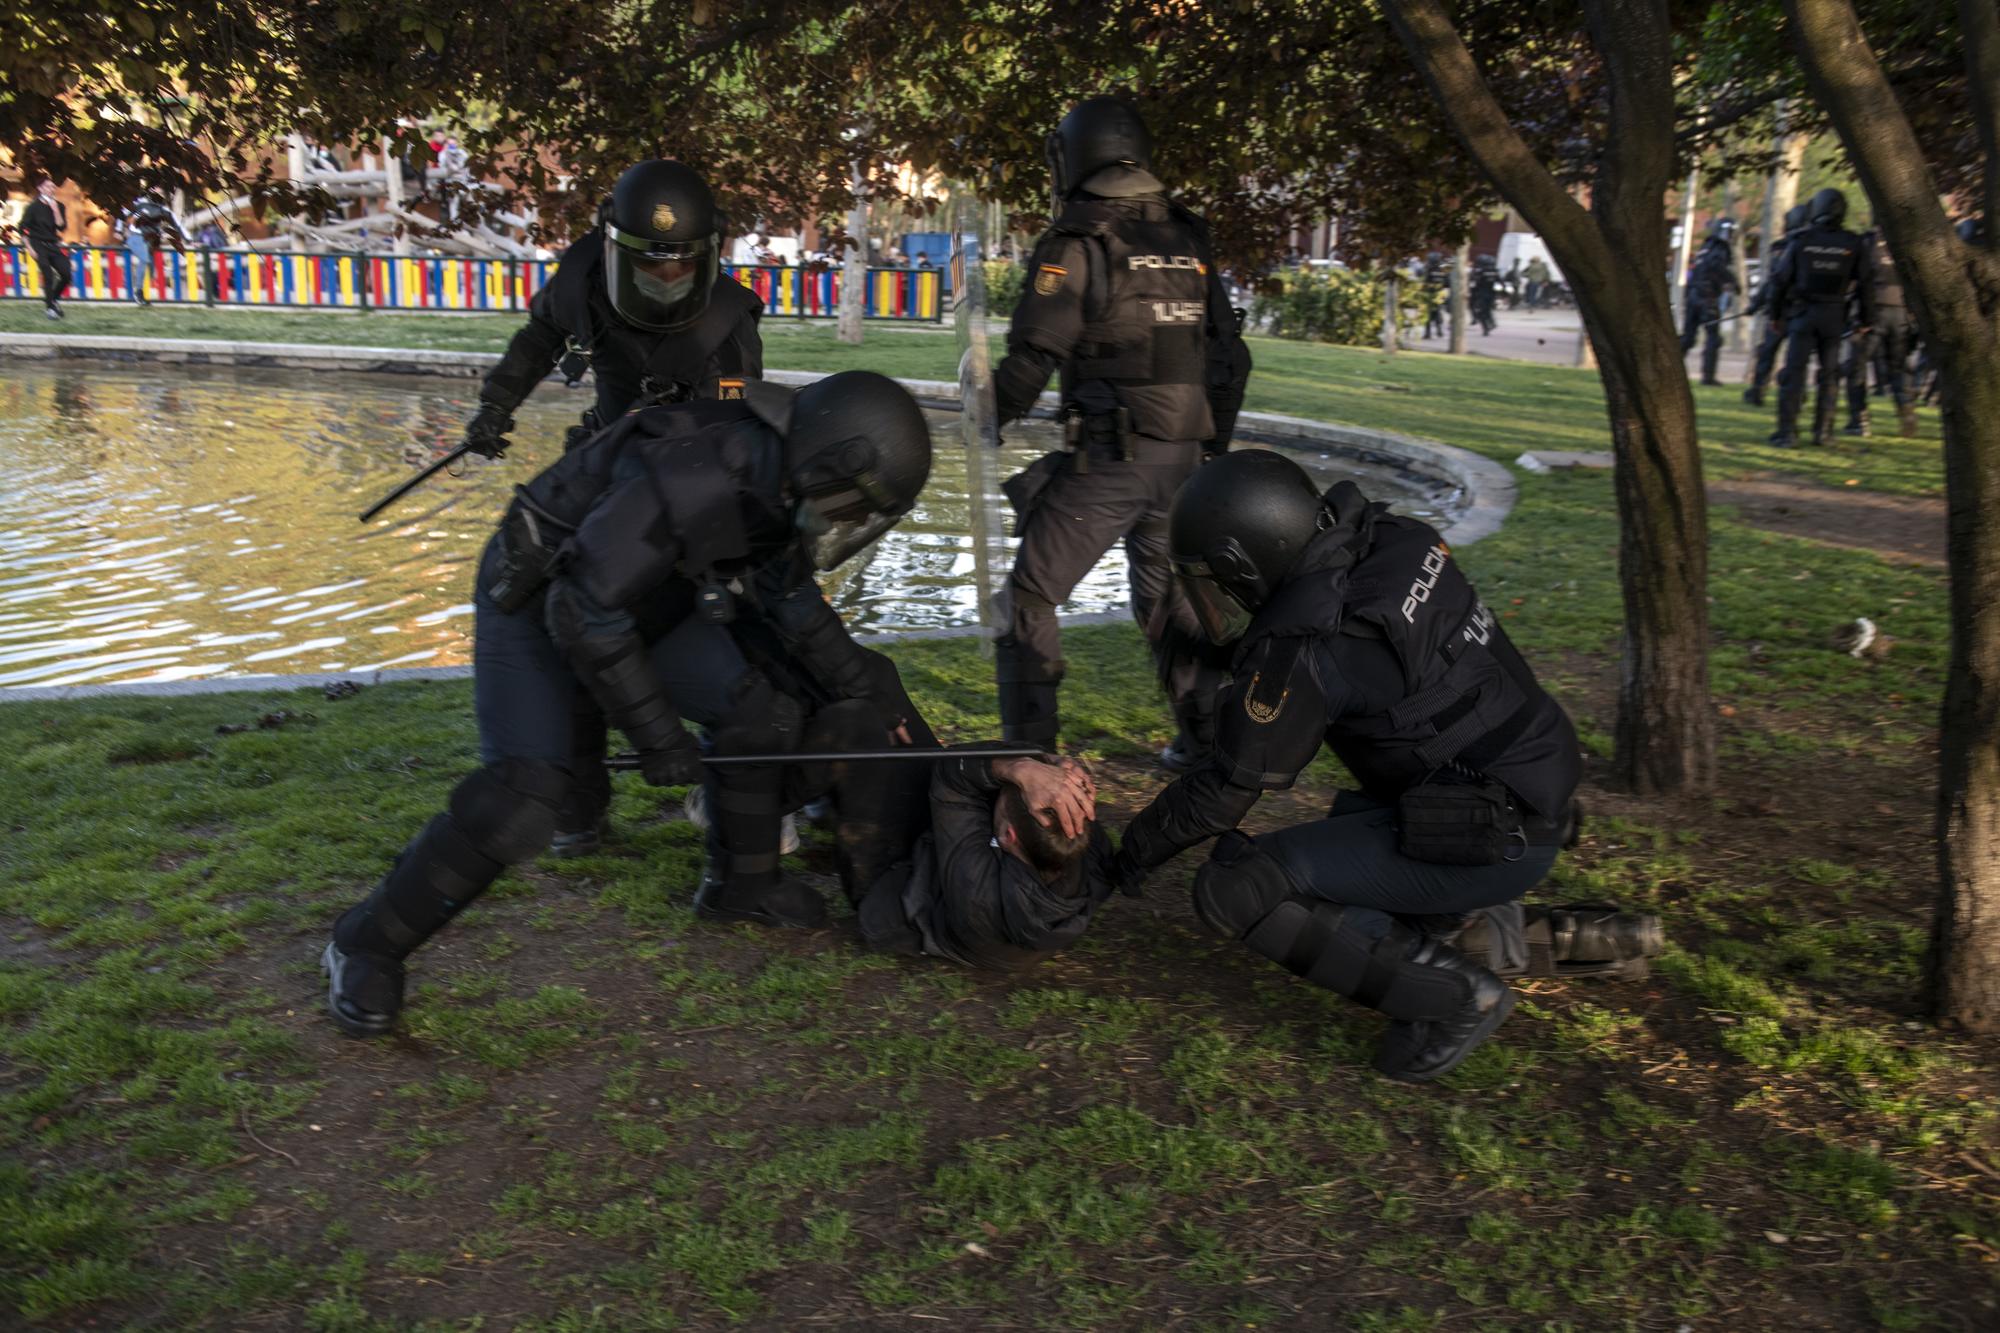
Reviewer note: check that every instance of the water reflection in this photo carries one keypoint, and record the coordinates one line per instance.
(167, 523)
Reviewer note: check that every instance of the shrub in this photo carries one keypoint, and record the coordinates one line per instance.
(1334, 306)
(1003, 286)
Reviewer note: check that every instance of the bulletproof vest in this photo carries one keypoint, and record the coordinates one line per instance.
(636, 367)
(1711, 271)
(1888, 282)
(1463, 704)
(1145, 334)
(1825, 264)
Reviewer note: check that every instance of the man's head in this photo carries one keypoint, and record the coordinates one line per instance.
(1034, 835)
(46, 188)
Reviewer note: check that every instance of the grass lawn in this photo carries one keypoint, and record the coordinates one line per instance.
(605, 1115)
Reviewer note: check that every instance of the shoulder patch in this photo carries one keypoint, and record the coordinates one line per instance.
(1049, 279)
(728, 390)
(1271, 684)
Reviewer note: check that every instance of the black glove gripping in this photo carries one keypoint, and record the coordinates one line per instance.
(486, 433)
(676, 764)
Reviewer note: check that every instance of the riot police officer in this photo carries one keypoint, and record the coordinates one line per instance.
(1712, 279)
(1777, 320)
(1354, 628)
(1819, 273)
(1437, 293)
(1484, 293)
(1887, 345)
(618, 569)
(1123, 298)
(641, 302)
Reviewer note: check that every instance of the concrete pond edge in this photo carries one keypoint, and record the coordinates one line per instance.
(1476, 490)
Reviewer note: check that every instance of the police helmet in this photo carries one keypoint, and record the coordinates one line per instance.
(1796, 218)
(1236, 529)
(1722, 229)
(662, 247)
(1098, 132)
(857, 454)
(1828, 208)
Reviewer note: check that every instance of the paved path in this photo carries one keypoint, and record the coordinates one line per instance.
(1549, 337)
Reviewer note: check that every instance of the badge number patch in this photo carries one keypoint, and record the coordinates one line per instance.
(1049, 279)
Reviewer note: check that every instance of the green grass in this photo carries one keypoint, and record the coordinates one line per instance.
(606, 1115)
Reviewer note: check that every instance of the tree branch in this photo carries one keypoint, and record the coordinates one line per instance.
(1454, 79)
(1979, 20)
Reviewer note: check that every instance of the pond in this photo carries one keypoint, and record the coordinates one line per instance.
(171, 522)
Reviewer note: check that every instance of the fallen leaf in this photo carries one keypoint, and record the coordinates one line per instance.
(1777, 1237)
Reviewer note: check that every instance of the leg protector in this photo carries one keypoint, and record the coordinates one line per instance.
(590, 789)
(1245, 894)
(1029, 685)
(744, 802)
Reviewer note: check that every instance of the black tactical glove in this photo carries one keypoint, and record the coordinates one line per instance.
(486, 433)
(1126, 874)
(677, 764)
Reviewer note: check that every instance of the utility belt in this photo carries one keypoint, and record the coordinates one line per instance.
(531, 540)
(1477, 822)
(1103, 433)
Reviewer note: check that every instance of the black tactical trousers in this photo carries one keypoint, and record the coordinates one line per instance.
(1065, 531)
(1350, 858)
(1890, 338)
(1767, 353)
(1702, 318)
(1814, 334)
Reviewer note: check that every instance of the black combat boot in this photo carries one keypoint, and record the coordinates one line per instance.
(364, 989)
(1427, 1050)
(584, 840)
(1858, 426)
(1754, 395)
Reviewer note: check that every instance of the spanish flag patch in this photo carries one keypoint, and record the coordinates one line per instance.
(1049, 279)
(728, 389)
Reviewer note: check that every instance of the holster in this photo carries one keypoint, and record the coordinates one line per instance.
(529, 543)
(1460, 824)
(1024, 489)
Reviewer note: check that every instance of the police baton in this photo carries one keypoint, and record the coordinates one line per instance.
(629, 762)
(416, 481)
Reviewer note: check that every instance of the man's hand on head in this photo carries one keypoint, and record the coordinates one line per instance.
(1060, 792)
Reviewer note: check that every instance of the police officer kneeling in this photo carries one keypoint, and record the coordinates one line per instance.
(1355, 628)
(617, 568)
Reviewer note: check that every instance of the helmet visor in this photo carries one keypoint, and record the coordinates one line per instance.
(1223, 617)
(656, 284)
(838, 531)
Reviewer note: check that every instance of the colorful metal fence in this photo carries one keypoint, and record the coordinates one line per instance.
(396, 282)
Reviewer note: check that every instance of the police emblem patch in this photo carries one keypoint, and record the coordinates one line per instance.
(1049, 279)
(1259, 704)
(663, 217)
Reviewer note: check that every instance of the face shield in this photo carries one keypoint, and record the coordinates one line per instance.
(655, 284)
(842, 504)
(1211, 587)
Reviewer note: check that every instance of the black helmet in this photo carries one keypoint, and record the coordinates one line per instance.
(1722, 229)
(857, 454)
(1098, 132)
(1236, 529)
(1796, 218)
(662, 250)
(1828, 208)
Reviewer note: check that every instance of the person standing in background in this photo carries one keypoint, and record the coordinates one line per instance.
(43, 223)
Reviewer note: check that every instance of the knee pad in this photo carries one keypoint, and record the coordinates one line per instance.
(760, 720)
(507, 811)
(1239, 886)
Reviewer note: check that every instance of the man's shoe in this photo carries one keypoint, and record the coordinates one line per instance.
(52, 312)
(1783, 440)
(364, 991)
(782, 902)
(1449, 1040)
(1711, 383)
(1858, 429)
(1754, 396)
(586, 841)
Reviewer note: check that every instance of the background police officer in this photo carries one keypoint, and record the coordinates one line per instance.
(1887, 346)
(1484, 293)
(1713, 277)
(1778, 320)
(1123, 298)
(640, 300)
(1818, 274)
(617, 569)
(1354, 628)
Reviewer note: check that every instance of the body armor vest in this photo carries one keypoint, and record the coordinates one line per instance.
(1826, 263)
(637, 367)
(1464, 704)
(1145, 334)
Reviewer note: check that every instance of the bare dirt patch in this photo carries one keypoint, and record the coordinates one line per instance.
(1895, 527)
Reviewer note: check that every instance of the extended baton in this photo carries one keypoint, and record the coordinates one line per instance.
(622, 762)
(415, 481)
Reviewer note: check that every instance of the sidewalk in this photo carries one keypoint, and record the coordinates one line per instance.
(1548, 337)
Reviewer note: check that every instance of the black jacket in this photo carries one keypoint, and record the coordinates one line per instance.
(574, 312)
(1714, 273)
(1378, 648)
(976, 904)
(1122, 296)
(43, 225)
(1825, 267)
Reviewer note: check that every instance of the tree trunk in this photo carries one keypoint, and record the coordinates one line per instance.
(1954, 290)
(1461, 272)
(854, 274)
(1615, 260)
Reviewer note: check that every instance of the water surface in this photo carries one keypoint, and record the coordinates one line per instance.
(171, 522)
